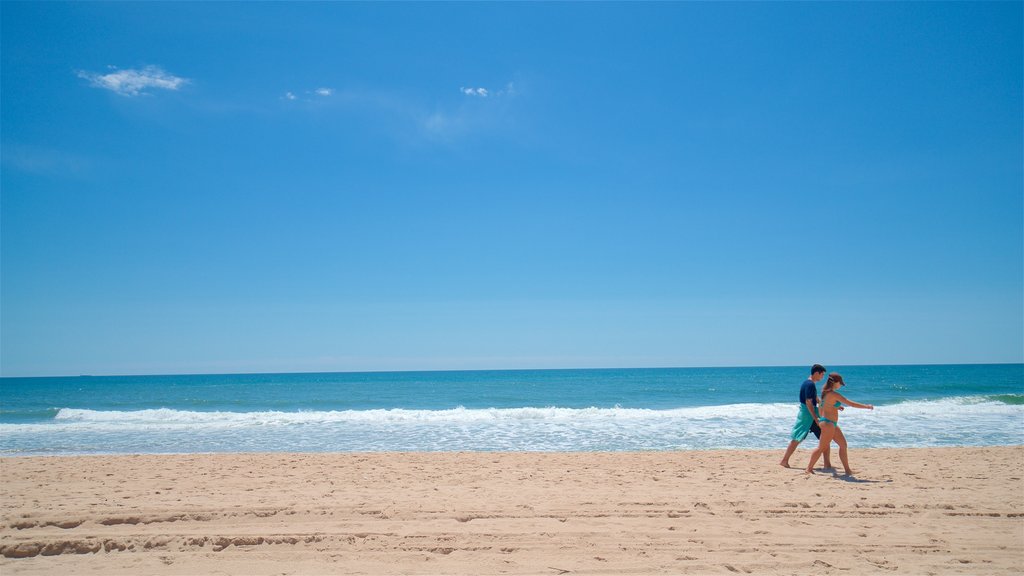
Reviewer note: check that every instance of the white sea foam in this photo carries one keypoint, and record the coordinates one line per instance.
(947, 407)
(949, 421)
(460, 414)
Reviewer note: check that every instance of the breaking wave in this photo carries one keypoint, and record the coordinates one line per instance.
(955, 421)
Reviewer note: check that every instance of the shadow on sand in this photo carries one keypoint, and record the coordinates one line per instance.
(846, 477)
(855, 480)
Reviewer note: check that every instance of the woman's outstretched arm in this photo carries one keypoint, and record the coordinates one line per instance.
(848, 402)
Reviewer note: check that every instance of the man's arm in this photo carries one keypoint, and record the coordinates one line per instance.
(810, 408)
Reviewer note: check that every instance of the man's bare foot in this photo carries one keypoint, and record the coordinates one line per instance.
(848, 473)
(784, 464)
(828, 466)
(808, 472)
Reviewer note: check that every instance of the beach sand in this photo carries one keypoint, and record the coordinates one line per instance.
(907, 511)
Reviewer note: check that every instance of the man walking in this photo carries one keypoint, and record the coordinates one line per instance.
(807, 418)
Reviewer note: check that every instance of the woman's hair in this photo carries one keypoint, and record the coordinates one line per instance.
(830, 384)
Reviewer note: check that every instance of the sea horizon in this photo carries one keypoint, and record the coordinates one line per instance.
(516, 369)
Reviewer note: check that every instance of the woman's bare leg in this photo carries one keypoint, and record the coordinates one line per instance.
(843, 452)
(827, 431)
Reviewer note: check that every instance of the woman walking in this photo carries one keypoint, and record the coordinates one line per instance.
(831, 400)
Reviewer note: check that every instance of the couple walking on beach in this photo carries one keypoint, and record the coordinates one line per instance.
(824, 423)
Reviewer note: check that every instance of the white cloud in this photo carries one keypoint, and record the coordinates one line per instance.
(309, 95)
(508, 90)
(451, 123)
(133, 82)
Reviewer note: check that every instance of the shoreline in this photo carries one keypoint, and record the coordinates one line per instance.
(804, 446)
(950, 510)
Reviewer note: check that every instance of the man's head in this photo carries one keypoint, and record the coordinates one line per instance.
(817, 373)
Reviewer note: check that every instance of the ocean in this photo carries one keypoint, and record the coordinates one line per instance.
(543, 410)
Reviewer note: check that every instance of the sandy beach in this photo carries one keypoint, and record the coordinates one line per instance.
(907, 511)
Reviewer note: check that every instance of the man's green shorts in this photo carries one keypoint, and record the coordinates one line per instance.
(804, 424)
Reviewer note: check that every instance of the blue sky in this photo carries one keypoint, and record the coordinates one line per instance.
(247, 187)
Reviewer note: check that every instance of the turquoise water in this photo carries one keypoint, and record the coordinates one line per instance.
(628, 409)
